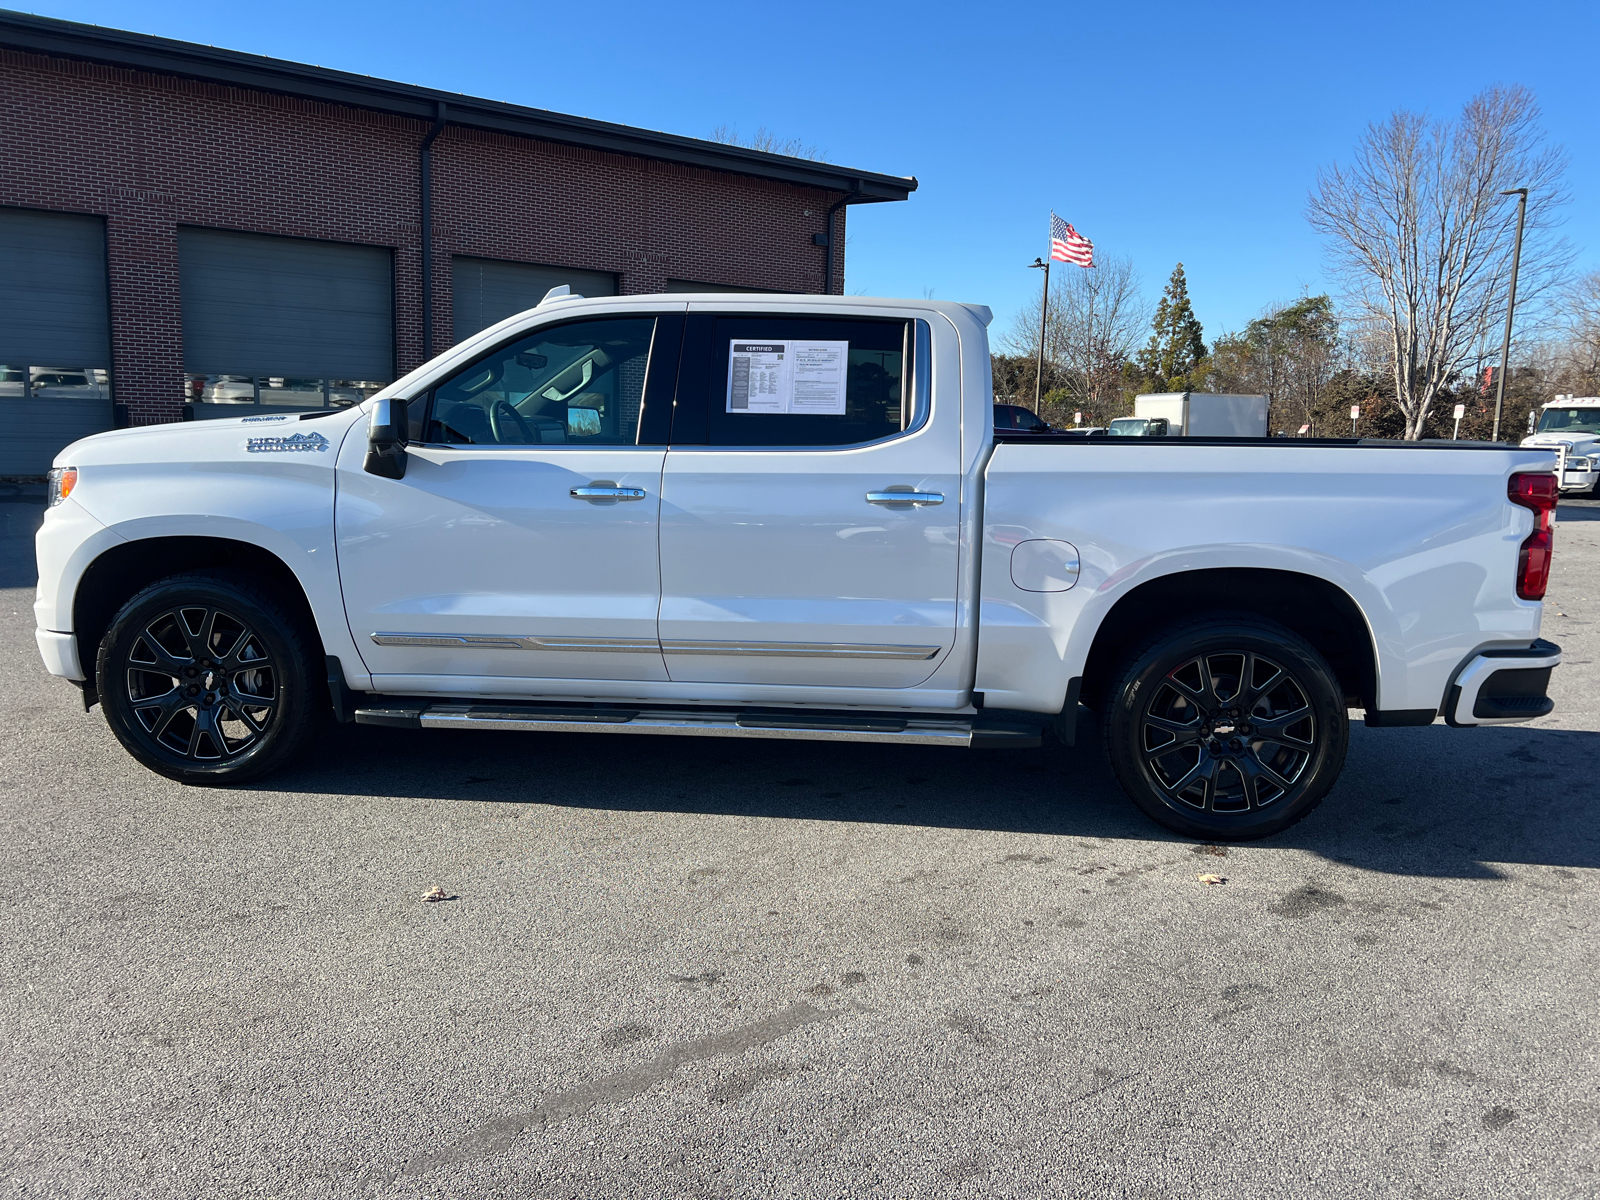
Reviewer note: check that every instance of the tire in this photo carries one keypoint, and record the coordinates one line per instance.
(207, 678)
(1204, 766)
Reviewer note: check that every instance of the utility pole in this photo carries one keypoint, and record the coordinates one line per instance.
(1044, 314)
(1511, 303)
(1088, 362)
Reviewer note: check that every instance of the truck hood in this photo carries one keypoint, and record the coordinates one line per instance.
(1576, 443)
(209, 441)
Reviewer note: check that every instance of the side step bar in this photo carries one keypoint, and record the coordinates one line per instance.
(897, 728)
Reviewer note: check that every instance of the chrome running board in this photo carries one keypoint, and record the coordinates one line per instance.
(895, 728)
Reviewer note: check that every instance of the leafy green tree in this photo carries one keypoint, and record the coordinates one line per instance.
(1176, 352)
(1288, 354)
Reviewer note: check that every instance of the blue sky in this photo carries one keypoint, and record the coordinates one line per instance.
(1164, 131)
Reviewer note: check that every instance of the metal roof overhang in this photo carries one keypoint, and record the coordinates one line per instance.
(142, 52)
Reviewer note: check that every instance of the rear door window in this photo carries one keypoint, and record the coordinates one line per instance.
(792, 381)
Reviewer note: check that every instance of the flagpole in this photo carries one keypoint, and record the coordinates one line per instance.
(1044, 312)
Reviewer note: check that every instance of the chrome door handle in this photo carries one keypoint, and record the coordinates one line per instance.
(607, 493)
(917, 498)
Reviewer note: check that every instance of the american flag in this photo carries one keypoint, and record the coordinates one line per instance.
(1068, 245)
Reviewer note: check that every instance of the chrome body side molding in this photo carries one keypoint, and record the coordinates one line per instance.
(476, 641)
(800, 649)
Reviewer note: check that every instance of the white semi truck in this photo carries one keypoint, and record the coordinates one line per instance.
(1193, 414)
(1570, 425)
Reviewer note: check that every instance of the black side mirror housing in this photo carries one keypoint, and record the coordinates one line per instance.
(386, 440)
(1158, 427)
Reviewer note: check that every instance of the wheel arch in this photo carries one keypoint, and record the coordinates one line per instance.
(1320, 611)
(121, 571)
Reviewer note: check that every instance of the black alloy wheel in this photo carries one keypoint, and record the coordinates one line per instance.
(1230, 727)
(204, 678)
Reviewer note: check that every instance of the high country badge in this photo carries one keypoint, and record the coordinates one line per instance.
(298, 443)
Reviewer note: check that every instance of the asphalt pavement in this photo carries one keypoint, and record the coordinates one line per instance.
(681, 968)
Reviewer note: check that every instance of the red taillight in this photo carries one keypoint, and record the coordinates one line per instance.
(1538, 492)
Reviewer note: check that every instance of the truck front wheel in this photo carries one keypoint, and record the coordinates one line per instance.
(1226, 727)
(206, 678)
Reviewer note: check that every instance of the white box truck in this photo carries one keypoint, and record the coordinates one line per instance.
(1193, 414)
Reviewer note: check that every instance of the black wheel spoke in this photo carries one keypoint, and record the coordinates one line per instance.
(1206, 694)
(195, 625)
(1204, 769)
(1178, 728)
(1254, 772)
(1183, 734)
(1251, 692)
(167, 706)
(229, 658)
(236, 660)
(206, 730)
(1249, 780)
(160, 658)
(237, 697)
(255, 711)
(1276, 728)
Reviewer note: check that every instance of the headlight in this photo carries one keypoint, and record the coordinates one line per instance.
(1580, 464)
(62, 480)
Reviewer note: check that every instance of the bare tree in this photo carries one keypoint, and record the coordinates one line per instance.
(1097, 317)
(768, 142)
(1421, 236)
(1577, 359)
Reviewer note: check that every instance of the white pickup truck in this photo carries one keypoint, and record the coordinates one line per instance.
(788, 517)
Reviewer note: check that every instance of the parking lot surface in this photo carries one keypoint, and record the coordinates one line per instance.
(684, 968)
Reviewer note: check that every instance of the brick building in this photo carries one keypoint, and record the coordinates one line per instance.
(189, 232)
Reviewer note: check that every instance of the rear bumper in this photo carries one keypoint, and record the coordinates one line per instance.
(1502, 687)
(60, 653)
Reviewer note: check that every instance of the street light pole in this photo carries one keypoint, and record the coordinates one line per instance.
(1044, 312)
(1511, 303)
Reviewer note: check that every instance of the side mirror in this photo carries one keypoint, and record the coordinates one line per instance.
(1158, 427)
(386, 440)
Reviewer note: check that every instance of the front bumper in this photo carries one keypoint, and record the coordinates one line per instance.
(1578, 481)
(1502, 687)
(60, 653)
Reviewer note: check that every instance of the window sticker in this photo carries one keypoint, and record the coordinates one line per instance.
(791, 377)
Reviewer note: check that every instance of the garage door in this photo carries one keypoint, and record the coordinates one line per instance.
(275, 324)
(488, 290)
(55, 342)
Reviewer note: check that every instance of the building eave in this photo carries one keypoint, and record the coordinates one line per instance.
(143, 52)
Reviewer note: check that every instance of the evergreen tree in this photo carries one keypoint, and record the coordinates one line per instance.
(1177, 347)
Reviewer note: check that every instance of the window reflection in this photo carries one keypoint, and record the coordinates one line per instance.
(238, 395)
(344, 392)
(54, 383)
(284, 391)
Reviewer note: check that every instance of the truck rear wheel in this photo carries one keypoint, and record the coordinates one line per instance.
(206, 678)
(1228, 727)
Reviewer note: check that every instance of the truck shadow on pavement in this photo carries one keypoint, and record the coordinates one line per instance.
(1428, 802)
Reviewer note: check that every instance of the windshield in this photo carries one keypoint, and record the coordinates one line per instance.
(1127, 427)
(1570, 420)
